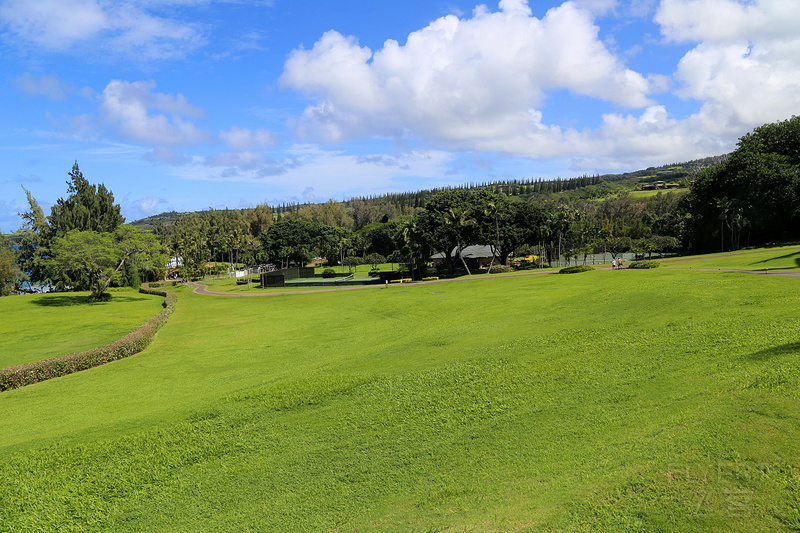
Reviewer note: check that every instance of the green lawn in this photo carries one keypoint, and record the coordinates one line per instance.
(605, 401)
(647, 194)
(39, 326)
(359, 271)
(779, 259)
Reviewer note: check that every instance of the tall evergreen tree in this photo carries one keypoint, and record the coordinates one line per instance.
(87, 208)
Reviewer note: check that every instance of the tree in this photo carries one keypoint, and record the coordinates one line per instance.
(459, 221)
(494, 211)
(439, 230)
(374, 260)
(663, 243)
(32, 251)
(260, 219)
(756, 189)
(90, 260)
(87, 208)
(351, 262)
(9, 274)
(290, 240)
(617, 246)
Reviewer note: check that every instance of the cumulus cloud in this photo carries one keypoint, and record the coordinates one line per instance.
(245, 139)
(745, 68)
(130, 28)
(131, 110)
(461, 82)
(482, 83)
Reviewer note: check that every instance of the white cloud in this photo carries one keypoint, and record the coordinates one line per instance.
(49, 86)
(128, 28)
(127, 109)
(242, 160)
(166, 155)
(310, 166)
(481, 84)
(745, 67)
(461, 83)
(245, 139)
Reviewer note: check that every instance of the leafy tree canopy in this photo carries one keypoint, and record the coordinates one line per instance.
(90, 260)
(755, 193)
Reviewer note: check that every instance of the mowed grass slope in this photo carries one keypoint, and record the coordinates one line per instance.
(779, 259)
(605, 401)
(40, 326)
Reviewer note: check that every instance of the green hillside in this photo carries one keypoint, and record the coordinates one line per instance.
(656, 400)
(588, 187)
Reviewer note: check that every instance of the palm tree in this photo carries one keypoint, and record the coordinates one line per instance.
(495, 211)
(458, 220)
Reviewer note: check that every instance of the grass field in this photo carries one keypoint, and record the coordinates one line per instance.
(779, 259)
(605, 401)
(648, 194)
(37, 327)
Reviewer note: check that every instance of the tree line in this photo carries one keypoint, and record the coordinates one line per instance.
(750, 197)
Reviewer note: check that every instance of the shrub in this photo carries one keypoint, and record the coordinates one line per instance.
(159, 284)
(374, 273)
(575, 269)
(329, 273)
(500, 269)
(134, 342)
(644, 264)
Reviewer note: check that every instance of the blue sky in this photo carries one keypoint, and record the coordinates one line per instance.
(190, 104)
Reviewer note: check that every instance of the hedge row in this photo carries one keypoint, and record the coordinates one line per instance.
(644, 264)
(18, 376)
(575, 269)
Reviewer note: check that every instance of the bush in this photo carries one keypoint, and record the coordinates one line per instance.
(500, 269)
(159, 284)
(575, 269)
(644, 264)
(134, 342)
(374, 273)
(329, 273)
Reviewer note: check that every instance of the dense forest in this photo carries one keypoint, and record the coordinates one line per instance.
(747, 198)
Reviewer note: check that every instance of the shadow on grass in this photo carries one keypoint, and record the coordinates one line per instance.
(777, 351)
(69, 300)
(792, 254)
